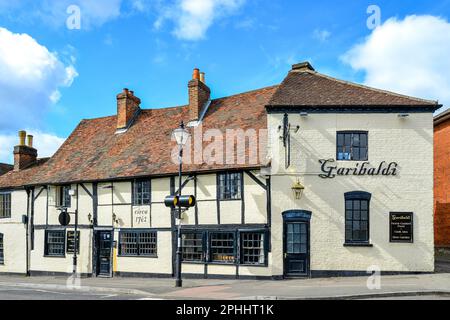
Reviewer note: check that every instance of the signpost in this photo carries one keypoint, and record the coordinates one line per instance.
(401, 227)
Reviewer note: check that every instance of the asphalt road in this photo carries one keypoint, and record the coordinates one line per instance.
(11, 293)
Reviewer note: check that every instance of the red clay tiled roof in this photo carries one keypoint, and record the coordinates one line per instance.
(94, 152)
(310, 88)
(15, 179)
(4, 168)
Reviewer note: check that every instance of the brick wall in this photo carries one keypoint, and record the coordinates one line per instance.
(442, 184)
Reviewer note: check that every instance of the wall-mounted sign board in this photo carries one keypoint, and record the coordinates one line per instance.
(71, 241)
(401, 227)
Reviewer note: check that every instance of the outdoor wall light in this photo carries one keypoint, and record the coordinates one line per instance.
(403, 115)
(71, 192)
(297, 190)
(303, 114)
(90, 218)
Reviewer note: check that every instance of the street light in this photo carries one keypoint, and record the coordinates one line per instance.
(181, 136)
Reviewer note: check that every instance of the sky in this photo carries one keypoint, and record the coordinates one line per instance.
(62, 61)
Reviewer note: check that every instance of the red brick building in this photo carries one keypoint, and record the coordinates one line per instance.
(442, 179)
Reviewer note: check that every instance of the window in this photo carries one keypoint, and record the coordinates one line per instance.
(352, 146)
(252, 248)
(222, 247)
(357, 217)
(55, 243)
(2, 255)
(63, 197)
(211, 246)
(192, 246)
(138, 243)
(5, 205)
(71, 241)
(230, 186)
(141, 192)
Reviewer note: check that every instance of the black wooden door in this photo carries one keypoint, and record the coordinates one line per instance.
(104, 250)
(296, 248)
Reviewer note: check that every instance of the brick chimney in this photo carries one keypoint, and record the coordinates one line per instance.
(199, 95)
(128, 106)
(24, 154)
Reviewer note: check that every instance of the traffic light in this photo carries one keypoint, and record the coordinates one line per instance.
(171, 201)
(179, 201)
(186, 201)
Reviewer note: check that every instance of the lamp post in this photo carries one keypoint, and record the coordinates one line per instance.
(181, 136)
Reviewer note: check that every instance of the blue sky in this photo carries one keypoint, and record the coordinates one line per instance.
(151, 47)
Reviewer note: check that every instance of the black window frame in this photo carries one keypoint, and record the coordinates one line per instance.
(206, 235)
(350, 212)
(353, 145)
(200, 236)
(5, 205)
(63, 197)
(222, 247)
(242, 247)
(62, 251)
(2, 249)
(137, 233)
(141, 196)
(224, 186)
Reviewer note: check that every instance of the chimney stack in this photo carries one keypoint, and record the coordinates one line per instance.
(24, 155)
(199, 95)
(128, 106)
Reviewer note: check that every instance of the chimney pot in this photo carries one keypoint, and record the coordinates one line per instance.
(202, 77)
(22, 136)
(199, 95)
(24, 155)
(196, 74)
(30, 140)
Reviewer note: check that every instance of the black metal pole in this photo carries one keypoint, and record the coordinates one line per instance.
(179, 281)
(75, 239)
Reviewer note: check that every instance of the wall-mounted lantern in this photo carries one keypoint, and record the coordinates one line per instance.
(90, 218)
(297, 190)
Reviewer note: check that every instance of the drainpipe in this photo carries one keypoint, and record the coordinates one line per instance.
(27, 242)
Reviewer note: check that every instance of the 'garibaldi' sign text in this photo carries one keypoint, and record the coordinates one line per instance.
(330, 171)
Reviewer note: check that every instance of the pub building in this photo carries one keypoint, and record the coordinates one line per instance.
(345, 184)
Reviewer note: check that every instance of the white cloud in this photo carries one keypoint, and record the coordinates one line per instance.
(30, 78)
(321, 34)
(45, 143)
(193, 18)
(409, 56)
(54, 12)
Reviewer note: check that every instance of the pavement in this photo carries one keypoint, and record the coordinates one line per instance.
(424, 286)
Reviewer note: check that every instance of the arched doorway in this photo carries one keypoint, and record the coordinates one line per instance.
(296, 243)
